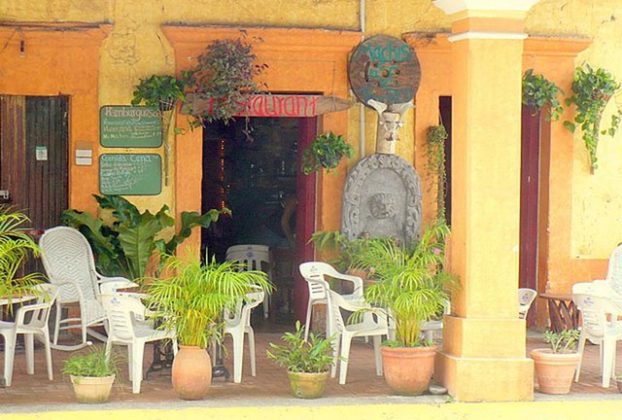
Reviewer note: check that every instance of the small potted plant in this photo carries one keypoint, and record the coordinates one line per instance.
(556, 365)
(92, 375)
(190, 297)
(326, 151)
(159, 91)
(412, 285)
(307, 362)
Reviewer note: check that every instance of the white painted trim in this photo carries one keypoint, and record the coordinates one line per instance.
(451, 7)
(486, 35)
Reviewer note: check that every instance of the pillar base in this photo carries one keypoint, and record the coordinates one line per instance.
(486, 379)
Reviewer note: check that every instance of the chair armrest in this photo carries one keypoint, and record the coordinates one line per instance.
(121, 280)
(21, 312)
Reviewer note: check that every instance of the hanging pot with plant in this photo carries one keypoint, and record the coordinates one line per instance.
(326, 151)
(541, 93)
(159, 91)
(222, 81)
(592, 89)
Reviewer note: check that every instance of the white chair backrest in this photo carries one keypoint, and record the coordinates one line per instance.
(313, 272)
(67, 257)
(242, 311)
(614, 272)
(525, 299)
(46, 295)
(337, 324)
(252, 256)
(120, 310)
(594, 303)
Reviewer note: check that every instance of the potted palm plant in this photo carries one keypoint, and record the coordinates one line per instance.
(307, 362)
(92, 376)
(411, 284)
(190, 297)
(15, 248)
(555, 366)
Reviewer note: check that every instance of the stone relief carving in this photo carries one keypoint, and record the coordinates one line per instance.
(382, 197)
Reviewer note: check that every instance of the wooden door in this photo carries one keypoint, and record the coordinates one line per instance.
(530, 178)
(34, 156)
(305, 217)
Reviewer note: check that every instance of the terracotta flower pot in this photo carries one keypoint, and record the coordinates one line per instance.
(408, 370)
(554, 372)
(191, 373)
(91, 389)
(307, 385)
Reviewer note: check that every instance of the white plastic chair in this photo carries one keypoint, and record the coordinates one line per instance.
(69, 264)
(34, 325)
(314, 273)
(525, 299)
(254, 257)
(237, 324)
(614, 270)
(373, 324)
(127, 326)
(600, 325)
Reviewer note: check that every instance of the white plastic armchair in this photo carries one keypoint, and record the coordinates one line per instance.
(372, 324)
(600, 325)
(525, 299)
(614, 270)
(315, 273)
(69, 264)
(238, 324)
(127, 326)
(35, 324)
(254, 257)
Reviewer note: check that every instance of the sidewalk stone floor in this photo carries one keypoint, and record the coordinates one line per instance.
(271, 381)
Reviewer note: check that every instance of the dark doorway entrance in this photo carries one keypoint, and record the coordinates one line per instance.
(532, 126)
(34, 157)
(252, 168)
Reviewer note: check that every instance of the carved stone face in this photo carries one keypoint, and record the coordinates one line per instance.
(382, 205)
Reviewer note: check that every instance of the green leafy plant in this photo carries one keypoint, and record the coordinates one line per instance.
(124, 246)
(298, 355)
(190, 296)
(160, 91)
(325, 151)
(93, 364)
(410, 283)
(539, 92)
(224, 77)
(592, 89)
(562, 342)
(435, 152)
(15, 247)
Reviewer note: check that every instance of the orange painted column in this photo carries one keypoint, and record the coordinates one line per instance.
(484, 358)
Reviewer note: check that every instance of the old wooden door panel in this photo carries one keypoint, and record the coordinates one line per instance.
(530, 170)
(38, 186)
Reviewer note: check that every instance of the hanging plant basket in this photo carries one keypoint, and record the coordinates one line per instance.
(592, 89)
(158, 91)
(326, 151)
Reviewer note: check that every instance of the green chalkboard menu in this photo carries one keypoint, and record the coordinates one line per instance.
(130, 126)
(130, 174)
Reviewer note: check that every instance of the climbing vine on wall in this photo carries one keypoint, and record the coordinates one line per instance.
(435, 152)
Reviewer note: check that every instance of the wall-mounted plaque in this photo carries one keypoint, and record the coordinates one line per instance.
(130, 174)
(130, 126)
(384, 68)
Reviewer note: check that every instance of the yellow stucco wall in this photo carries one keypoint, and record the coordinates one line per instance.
(136, 47)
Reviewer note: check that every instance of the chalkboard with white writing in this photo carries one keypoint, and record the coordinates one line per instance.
(130, 174)
(130, 126)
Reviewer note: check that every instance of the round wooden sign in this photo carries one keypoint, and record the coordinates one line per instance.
(384, 68)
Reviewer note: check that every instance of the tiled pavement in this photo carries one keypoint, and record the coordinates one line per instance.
(271, 380)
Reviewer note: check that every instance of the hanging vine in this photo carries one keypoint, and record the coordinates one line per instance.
(435, 152)
(592, 89)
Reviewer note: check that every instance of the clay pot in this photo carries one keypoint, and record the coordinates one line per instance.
(191, 373)
(307, 385)
(554, 372)
(92, 389)
(408, 370)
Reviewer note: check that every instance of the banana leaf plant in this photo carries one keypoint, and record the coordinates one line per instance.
(125, 245)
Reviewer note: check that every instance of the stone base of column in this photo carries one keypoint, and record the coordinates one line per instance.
(484, 360)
